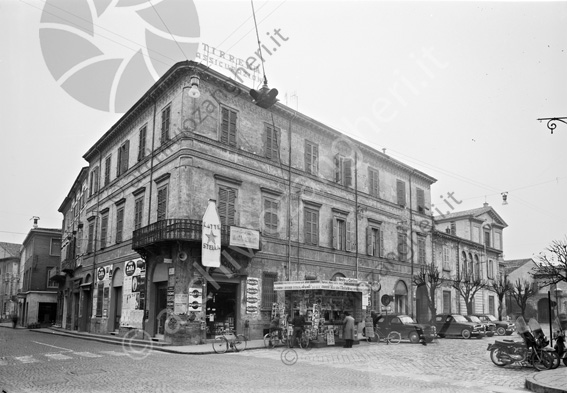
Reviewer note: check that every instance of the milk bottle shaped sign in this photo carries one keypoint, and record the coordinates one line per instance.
(211, 250)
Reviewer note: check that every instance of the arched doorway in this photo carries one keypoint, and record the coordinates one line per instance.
(543, 311)
(401, 298)
(116, 299)
(422, 304)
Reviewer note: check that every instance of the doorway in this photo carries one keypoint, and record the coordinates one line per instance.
(221, 308)
(161, 305)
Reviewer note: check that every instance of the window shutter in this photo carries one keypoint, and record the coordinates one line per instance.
(119, 162)
(349, 243)
(269, 142)
(162, 203)
(381, 245)
(119, 224)
(401, 192)
(224, 125)
(369, 242)
(125, 156)
(315, 160)
(420, 200)
(232, 129)
(337, 169)
(348, 172)
(335, 225)
(231, 206)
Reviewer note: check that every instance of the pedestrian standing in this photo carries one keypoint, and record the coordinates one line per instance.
(348, 330)
(14, 320)
(375, 319)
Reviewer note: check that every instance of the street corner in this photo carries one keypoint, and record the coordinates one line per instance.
(549, 381)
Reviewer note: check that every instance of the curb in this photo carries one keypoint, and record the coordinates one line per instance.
(539, 387)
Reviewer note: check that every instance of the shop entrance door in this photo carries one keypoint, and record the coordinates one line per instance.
(161, 305)
(221, 308)
(117, 307)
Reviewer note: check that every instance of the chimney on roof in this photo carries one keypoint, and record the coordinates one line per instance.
(35, 220)
(485, 204)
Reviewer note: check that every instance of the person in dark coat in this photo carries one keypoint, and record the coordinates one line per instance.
(348, 330)
(298, 323)
(14, 320)
(375, 318)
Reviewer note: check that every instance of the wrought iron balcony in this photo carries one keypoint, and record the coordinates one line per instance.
(68, 265)
(172, 230)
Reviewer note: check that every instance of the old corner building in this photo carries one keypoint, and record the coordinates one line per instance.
(297, 201)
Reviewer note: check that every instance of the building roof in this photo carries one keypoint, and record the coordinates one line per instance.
(12, 249)
(472, 213)
(57, 231)
(513, 264)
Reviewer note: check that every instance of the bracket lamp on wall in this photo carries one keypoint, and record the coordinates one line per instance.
(194, 90)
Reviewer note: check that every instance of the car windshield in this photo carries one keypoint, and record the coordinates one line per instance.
(491, 317)
(474, 319)
(406, 319)
(459, 318)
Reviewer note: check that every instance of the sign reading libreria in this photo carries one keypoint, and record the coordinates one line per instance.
(211, 241)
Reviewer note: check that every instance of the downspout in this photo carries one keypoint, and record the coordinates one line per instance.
(96, 221)
(411, 246)
(149, 213)
(289, 202)
(356, 210)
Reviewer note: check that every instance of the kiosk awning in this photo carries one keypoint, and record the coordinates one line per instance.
(347, 286)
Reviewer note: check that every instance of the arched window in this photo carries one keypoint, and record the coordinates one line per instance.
(336, 276)
(476, 267)
(465, 266)
(401, 298)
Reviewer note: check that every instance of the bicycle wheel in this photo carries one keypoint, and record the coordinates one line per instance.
(268, 342)
(378, 336)
(394, 337)
(240, 342)
(220, 345)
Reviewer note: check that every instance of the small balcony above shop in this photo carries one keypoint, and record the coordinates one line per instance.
(173, 230)
(68, 266)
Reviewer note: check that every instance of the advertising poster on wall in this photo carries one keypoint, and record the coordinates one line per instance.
(133, 289)
(195, 299)
(211, 243)
(252, 295)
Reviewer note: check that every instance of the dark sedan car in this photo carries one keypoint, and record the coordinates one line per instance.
(457, 325)
(502, 327)
(489, 327)
(407, 327)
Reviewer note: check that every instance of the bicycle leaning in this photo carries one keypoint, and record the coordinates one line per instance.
(274, 338)
(229, 339)
(393, 337)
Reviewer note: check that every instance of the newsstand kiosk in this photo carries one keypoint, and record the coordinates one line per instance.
(324, 302)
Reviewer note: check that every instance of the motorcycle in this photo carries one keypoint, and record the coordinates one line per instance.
(531, 351)
(559, 330)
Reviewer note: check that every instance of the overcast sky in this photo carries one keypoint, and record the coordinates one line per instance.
(451, 88)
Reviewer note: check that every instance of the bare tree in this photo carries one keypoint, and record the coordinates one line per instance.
(552, 266)
(468, 284)
(500, 288)
(430, 276)
(522, 291)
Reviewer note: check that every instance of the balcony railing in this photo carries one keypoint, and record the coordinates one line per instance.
(171, 230)
(68, 265)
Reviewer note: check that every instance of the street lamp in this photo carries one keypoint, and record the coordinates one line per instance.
(552, 120)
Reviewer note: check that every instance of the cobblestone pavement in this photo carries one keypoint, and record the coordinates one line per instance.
(36, 362)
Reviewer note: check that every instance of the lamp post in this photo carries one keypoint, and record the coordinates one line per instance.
(551, 122)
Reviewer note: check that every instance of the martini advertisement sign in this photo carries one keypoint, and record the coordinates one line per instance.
(211, 241)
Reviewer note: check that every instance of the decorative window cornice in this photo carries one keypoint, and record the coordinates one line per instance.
(312, 203)
(139, 191)
(104, 211)
(372, 221)
(162, 178)
(227, 179)
(336, 210)
(271, 191)
(120, 202)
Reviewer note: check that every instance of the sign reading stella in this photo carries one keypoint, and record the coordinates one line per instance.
(211, 241)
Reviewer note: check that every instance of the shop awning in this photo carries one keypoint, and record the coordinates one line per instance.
(347, 286)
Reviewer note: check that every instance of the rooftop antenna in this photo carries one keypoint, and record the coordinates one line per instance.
(266, 97)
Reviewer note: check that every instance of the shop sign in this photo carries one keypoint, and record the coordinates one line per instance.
(252, 299)
(321, 284)
(101, 273)
(195, 298)
(130, 268)
(242, 237)
(211, 236)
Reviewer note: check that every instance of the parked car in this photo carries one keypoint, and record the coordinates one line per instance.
(489, 327)
(407, 327)
(457, 325)
(502, 327)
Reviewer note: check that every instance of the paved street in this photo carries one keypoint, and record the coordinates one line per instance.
(38, 362)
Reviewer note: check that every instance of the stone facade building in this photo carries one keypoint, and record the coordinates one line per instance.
(470, 243)
(297, 201)
(9, 277)
(39, 276)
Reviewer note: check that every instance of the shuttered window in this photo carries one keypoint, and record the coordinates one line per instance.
(269, 296)
(272, 142)
(138, 211)
(373, 183)
(343, 170)
(227, 205)
(420, 194)
(90, 238)
(119, 224)
(402, 246)
(162, 203)
(142, 143)
(311, 226)
(103, 230)
(123, 153)
(99, 299)
(270, 216)
(165, 121)
(311, 158)
(374, 241)
(401, 192)
(228, 126)
(94, 182)
(421, 249)
(107, 164)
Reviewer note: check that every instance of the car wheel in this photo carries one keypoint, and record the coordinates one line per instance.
(466, 333)
(501, 331)
(414, 337)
